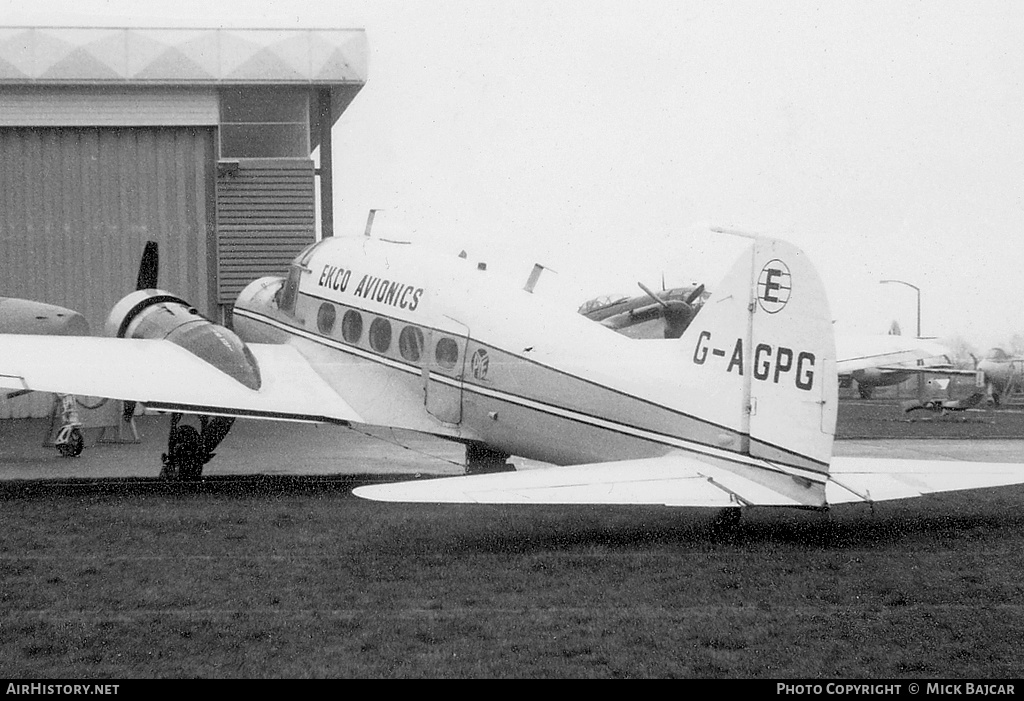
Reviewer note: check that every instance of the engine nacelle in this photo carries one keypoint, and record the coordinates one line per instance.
(31, 317)
(155, 314)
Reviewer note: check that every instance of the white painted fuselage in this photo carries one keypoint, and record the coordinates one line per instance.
(438, 345)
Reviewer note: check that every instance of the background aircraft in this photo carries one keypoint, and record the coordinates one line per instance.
(1000, 373)
(869, 360)
(944, 406)
(24, 316)
(739, 411)
(883, 360)
(666, 313)
(28, 317)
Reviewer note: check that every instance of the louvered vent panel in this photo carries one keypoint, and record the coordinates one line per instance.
(265, 216)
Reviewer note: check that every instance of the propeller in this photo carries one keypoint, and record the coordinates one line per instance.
(697, 292)
(677, 313)
(148, 267)
(147, 279)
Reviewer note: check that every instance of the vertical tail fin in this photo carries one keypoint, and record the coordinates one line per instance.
(761, 356)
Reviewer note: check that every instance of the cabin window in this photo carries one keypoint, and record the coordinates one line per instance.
(325, 318)
(410, 343)
(380, 335)
(447, 353)
(352, 326)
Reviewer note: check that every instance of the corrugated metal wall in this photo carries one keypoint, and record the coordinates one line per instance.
(265, 216)
(78, 204)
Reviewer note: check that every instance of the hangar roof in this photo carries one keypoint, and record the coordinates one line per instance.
(119, 56)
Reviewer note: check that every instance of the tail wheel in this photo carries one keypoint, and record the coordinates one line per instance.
(73, 446)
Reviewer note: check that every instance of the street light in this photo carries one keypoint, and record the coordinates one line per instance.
(920, 378)
(918, 291)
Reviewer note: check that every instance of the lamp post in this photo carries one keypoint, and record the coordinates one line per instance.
(918, 291)
(920, 378)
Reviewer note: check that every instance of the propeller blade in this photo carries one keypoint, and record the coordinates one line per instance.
(653, 296)
(148, 267)
(695, 294)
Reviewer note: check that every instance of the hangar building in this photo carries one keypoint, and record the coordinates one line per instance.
(199, 139)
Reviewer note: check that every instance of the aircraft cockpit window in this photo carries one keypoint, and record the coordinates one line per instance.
(325, 318)
(352, 326)
(598, 303)
(410, 343)
(290, 292)
(380, 335)
(446, 353)
(305, 254)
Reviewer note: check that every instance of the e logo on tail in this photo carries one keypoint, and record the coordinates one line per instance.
(773, 286)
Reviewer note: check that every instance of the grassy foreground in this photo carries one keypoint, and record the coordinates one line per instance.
(212, 583)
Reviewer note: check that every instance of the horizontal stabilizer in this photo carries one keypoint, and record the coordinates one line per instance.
(682, 480)
(673, 480)
(878, 479)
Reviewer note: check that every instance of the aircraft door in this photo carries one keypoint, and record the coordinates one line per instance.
(443, 367)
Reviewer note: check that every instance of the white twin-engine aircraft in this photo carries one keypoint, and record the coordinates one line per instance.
(739, 411)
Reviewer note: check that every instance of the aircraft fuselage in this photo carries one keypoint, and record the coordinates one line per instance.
(441, 346)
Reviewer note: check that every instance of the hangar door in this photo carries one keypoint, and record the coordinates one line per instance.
(77, 205)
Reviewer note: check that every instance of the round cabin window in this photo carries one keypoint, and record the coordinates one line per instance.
(380, 335)
(325, 318)
(352, 326)
(447, 353)
(410, 343)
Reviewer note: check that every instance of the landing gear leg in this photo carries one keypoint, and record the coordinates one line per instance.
(69, 440)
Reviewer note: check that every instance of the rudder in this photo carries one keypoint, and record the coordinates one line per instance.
(761, 356)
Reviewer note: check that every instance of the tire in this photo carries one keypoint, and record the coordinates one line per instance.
(185, 454)
(74, 445)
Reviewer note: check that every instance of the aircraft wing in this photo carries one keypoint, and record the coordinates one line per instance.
(944, 370)
(634, 316)
(682, 480)
(885, 352)
(165, 376)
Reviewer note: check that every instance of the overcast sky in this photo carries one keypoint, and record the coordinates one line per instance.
(883, 138)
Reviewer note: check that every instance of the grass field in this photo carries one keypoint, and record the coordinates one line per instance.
(874, 419)
(294, 581)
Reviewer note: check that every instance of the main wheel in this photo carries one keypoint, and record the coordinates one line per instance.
(74, 445)
(185, 454)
